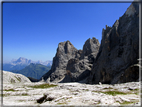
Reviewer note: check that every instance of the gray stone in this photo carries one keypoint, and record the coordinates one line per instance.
(78, 69)
(119, 50)
(65, 52)
(9, 77)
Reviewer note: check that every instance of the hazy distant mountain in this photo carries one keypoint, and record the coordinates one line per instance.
(22, 63)
(9, 67)
(21, 60)
(33, 70)
(46, 63)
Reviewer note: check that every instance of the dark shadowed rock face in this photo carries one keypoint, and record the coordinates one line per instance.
(65, 52)
(119, 50)
(79, 69)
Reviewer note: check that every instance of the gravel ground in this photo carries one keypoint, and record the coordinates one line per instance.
(71, 94)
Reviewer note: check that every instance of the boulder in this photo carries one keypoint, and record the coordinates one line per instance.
(9, 77)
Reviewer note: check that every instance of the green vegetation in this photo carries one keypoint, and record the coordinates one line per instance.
(63, 103)
(4, 95)
(135, 91)
(86, 89)
(33, 70)
(114, 92)
(43, 86)
(9, 90)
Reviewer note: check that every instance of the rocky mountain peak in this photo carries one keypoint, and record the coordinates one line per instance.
(21, 60)
(90, 46)
(119, 50)
(65, 52)
(65, 48)
(132, 9)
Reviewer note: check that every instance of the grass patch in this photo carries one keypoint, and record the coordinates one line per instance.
(9, 90)
(4, 95)
(135, 91)
(63, 103)
(114, 93)
(126, 103)
(21, 100)
(43, 86)
(86, 89)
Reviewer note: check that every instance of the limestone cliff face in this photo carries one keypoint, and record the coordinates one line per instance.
(78, 69)
(118, 55)
(70, 64)
(90, 46)
(65, 52)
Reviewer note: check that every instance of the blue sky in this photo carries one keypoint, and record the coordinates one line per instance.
(33, 30)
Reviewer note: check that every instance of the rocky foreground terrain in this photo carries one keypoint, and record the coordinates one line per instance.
(71, 94)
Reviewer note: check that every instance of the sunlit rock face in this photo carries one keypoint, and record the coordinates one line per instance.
(65, 52)
(117, 59)
(78, 69)
(70, 64)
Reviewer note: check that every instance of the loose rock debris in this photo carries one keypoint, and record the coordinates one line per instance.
(72, 94)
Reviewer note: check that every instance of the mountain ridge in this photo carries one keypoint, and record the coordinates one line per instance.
(33, 70)
(21, 63)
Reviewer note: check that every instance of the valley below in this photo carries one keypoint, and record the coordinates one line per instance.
(71, 94)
